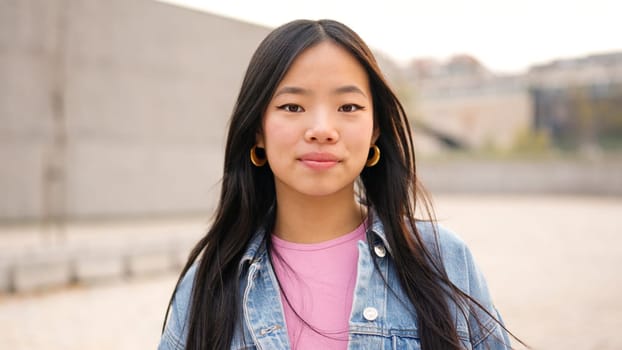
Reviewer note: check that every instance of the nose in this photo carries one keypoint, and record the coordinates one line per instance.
(322, 129)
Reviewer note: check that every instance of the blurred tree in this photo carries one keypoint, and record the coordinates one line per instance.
(582, 107)
(581, 117)
(609, 109)
(529, 141)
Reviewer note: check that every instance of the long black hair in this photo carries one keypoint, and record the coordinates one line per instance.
(247, 198)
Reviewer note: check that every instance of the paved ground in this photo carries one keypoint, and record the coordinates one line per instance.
(552, 264)
(121, 316)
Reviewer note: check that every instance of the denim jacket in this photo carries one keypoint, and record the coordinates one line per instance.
(380, 317)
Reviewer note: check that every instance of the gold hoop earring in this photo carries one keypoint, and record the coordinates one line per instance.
(374, 158)
(258, 162)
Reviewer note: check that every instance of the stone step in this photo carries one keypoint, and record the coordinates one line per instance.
(41, 268)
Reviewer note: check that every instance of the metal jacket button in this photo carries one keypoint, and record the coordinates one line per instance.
(380, 250)
(370, 313)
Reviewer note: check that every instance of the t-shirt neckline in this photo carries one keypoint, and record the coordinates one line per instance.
(355, 234)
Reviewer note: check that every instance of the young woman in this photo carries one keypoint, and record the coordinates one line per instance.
(314, 244)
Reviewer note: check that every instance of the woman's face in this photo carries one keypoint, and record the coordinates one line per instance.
(319, 125)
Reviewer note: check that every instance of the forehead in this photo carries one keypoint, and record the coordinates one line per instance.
(326, 65)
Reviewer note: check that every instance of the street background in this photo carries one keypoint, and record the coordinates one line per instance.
(551, 264)
(112, 130)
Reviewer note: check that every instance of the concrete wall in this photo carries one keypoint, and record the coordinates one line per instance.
(115, 107)
(119, 107)
(602, 177)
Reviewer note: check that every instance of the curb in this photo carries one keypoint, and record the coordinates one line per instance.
(41, 269)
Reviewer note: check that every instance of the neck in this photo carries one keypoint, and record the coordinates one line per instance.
(314, 219)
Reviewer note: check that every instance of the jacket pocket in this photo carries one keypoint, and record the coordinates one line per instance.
(405, 343)
(413, 343)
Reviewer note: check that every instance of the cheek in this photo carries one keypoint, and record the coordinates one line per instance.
(278, 135)
(361, 134)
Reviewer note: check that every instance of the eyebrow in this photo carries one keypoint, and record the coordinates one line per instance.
(349, 89)
(301, 91)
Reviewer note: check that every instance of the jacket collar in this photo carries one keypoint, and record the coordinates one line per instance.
(255, 248)
(257, 244)
(377, 230)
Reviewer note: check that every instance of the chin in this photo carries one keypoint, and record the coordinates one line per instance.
(314, 188)
(322, 191)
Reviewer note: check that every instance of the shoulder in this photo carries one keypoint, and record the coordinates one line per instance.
(464, 273)
(183, 292)
(175, 333)
(455, 256)
(439, 238)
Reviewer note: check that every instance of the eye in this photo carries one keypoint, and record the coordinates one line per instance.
(348, 108)
(292, 108)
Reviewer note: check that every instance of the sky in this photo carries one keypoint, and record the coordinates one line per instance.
(507, 36)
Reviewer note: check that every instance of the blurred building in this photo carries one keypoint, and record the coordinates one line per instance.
(114, 107)
(579, 101)
(462, 101)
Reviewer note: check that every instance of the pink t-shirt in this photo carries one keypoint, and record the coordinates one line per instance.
(318, 281)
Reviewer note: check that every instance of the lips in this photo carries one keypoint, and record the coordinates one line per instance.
(319, 160)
